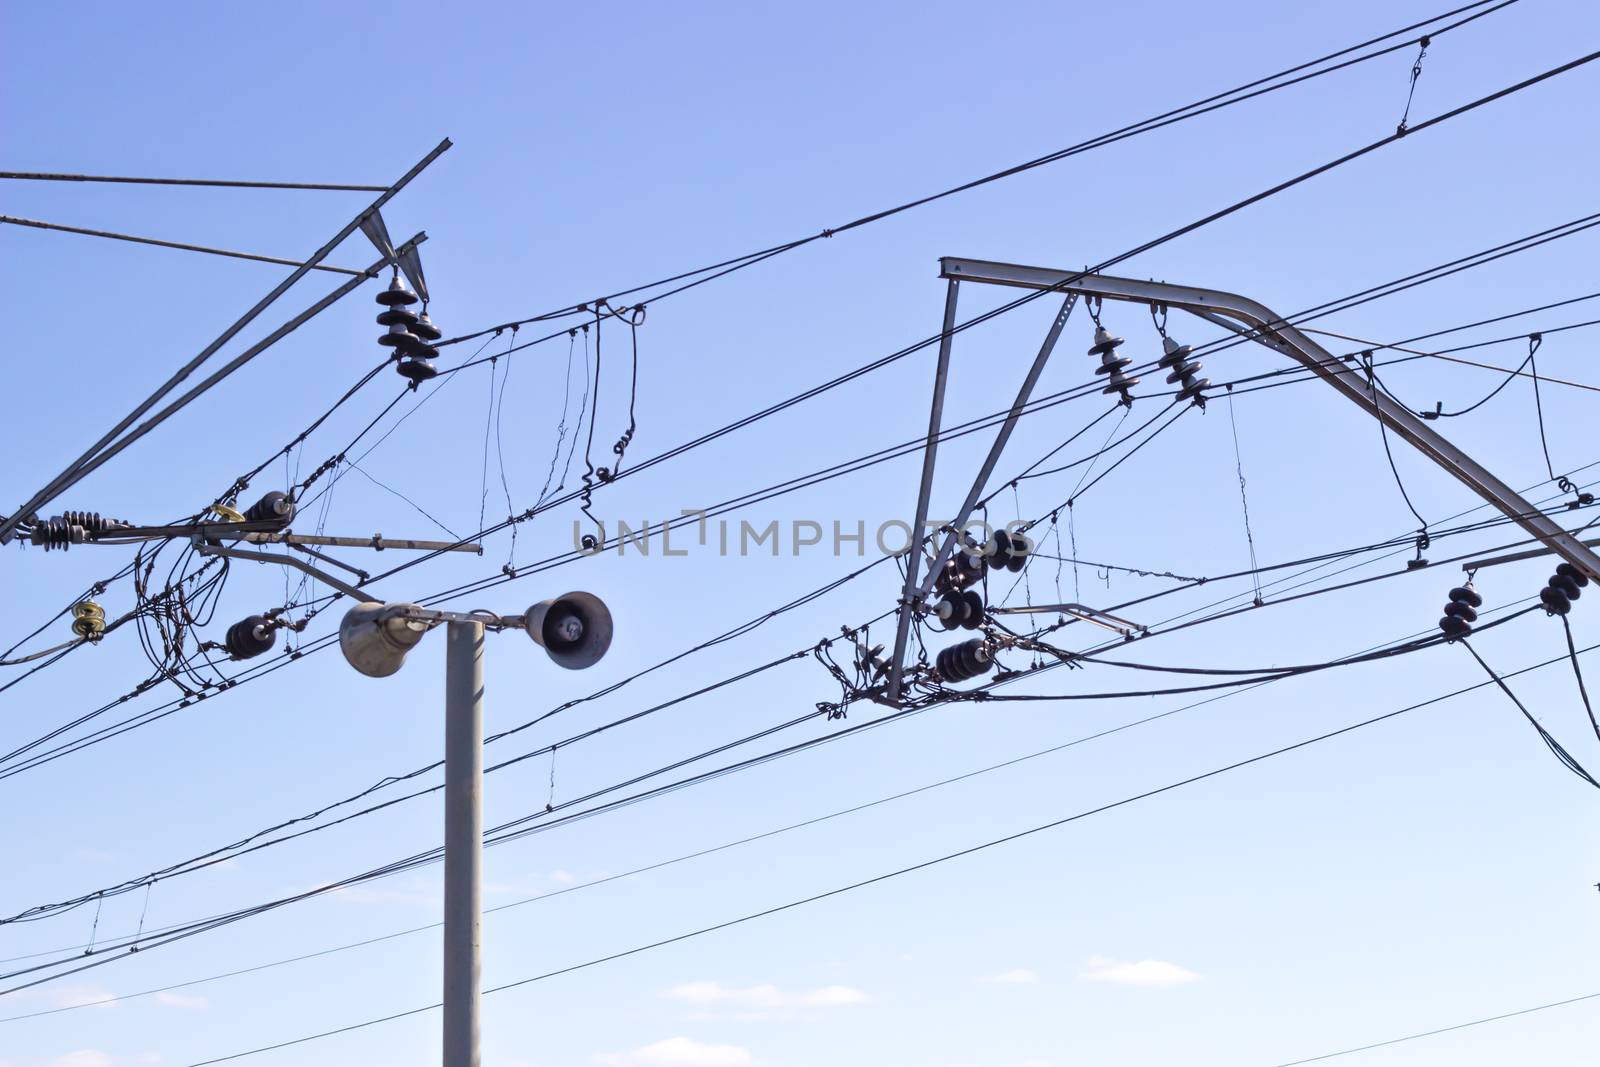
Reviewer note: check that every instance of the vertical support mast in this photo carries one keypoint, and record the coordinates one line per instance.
(463, 840)
(908, 596)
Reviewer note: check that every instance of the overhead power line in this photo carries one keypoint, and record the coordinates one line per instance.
(1034, 295)
(517, 828)
(1016, 303)
(41, 176)
(180, 246)
(1441, 1030)
(947, 857)
(259, 670)
(1239, 94)
(660, 864)
(1510, 248)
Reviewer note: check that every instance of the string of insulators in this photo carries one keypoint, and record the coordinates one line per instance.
(1112, 365)
(960, 605)
(250, 637)
(1461, 611)
(88, 619)
(1564, 587)
(71, 528)
(1183, 371)
(959, 663)
(411, 335)
(1004, 551)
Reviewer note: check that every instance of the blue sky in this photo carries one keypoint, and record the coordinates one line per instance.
(1435, 868)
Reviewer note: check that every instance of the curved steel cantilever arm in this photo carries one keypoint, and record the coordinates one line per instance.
(1260, 323)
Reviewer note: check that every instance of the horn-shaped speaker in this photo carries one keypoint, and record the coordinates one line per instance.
(376, 637)
(575, 629)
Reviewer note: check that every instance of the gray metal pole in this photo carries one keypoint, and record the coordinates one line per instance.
(908, 598)
(463, 839)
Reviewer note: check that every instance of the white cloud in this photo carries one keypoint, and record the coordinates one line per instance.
(85, 1057)
(180, 1000)
(765, 996)
(1030, 1062)
(678, 1052)
(1144, 972)
(563, 877)
(1015, 976)
(832, 996)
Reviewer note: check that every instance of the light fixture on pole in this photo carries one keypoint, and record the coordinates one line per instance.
(575, 631)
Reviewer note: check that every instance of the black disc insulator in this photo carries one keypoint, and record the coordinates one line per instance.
(417, 370)
(1019, 554)
(1455, 626)
(55, 533)
(1120, 383)
(1555, 601)
(92, 521)
(1183, 371)
(400, 339)
(1465, 594)
(950, 611)
(1110, 363)
(397, 295)
(397, 316)
(1103, 342)
(1174, 354)
(274, 507)
(997, 552)
(974, 616)
(425, 328)
(1461, 611)
(967, 660)
(1566, 586)
(250, 637)
(969, 565)
(1572, 572)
